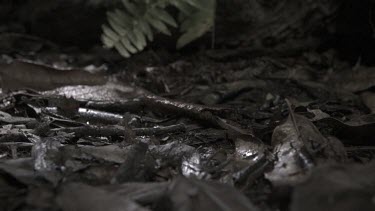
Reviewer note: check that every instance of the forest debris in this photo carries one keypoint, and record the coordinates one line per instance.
(172, 153)
(115, 93)
(116, 105)
(243, 173)
(91, 116)
(210, 135)
(117, 130)
(206, 114)
(159, 130)
(53, 161)
(233, 129)
(250, 160)
(318, 114)
(193, 166)
(137, 167)
(68, 107)
(108, 153)
(18, 135)
(247, 163)
(250, 150)
(196, 195)
(109, 91)
(296, 73)
(9, 119)
(191, 162)
(94, 116)
(180, 194)
(40, 154)
(222, 92)
(337, 188)
(199, 112)
(43, 164)
(298, 147)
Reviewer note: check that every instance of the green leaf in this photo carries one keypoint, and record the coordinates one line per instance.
(183, 7)
(120, 18)
(132, 8)
(128, 46)
(129, 29)
(145, 27)
(120, 48)
(110, 33)
(135, 40)
(201, 4)
(141, 38)
(194, 3)
(164, 16)
(196, 25)
(108, 42)
(118, 29)
(157, 24)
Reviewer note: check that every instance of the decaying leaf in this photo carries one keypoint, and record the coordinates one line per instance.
(299, 146)
(136, 167)
(251, 159)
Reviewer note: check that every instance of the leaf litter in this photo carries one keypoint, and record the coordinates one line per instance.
(74, 140)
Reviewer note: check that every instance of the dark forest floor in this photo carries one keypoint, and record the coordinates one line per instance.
(207, 130)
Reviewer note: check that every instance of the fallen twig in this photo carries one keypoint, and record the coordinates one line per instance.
(119, 130)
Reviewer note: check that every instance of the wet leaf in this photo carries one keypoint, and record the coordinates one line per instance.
(108, 92)
(251, 158)
(298, 147)
(137, 167)
(193, 166)
(173, 152)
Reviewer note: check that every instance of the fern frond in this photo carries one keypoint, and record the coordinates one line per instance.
(157, 24)
(183, 6)
(146, 29)
(129, 29)
(198, 23)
